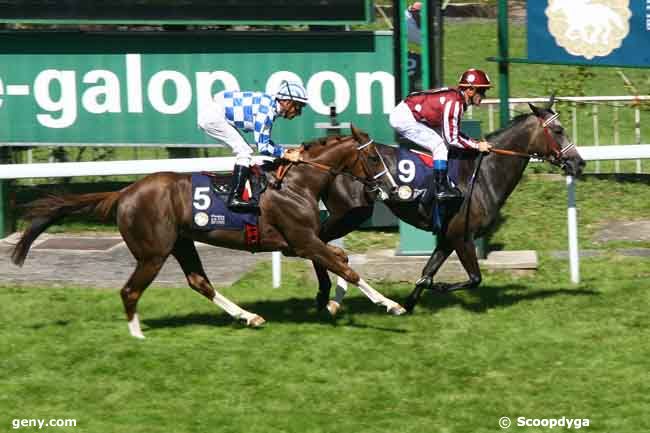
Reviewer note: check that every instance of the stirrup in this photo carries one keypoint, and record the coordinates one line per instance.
(240, 206)
(451, 193)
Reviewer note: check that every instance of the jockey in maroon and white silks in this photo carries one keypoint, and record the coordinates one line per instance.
(432, 119)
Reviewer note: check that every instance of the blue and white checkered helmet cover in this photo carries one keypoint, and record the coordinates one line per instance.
(292, 91)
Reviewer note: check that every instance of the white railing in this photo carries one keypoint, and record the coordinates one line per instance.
(70, 169)
(617, 104)
(113, 168)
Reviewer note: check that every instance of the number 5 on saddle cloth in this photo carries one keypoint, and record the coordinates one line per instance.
(209, 203)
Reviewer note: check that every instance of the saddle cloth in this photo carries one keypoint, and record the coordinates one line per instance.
(415, 168)
(209, 208)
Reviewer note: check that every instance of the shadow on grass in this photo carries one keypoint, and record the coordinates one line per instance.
(489, 297)
(303, 310)
(293, 310)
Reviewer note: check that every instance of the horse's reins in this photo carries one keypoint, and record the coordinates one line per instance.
(284, 168)
(559, 151)
(554, 145)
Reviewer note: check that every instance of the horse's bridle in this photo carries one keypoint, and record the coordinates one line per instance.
(371, 182)
(557, 151)
(374, 185)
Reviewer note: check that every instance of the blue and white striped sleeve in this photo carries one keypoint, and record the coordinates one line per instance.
(262, 133)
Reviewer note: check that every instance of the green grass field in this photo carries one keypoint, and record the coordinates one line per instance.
(532, 347)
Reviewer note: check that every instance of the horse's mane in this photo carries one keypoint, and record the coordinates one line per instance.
(321, 141)
(513, 122)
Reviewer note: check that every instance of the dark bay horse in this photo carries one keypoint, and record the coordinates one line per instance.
(539, 134)
(155, 220)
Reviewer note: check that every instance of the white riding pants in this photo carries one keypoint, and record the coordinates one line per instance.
(212, 121)
(403, 121)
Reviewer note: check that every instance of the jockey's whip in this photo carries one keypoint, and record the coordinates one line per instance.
(471, 191)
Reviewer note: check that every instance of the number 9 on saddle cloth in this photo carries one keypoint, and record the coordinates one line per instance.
(414, 180)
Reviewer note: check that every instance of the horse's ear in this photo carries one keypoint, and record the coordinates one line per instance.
(534, 109)
(551, 101)
(359, 135)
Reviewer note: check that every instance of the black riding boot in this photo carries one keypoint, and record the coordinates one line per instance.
(235, 201)
(444, 189)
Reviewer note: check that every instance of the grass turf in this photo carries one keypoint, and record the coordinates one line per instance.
(529, 346)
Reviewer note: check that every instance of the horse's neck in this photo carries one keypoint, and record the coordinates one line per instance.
(503, 173)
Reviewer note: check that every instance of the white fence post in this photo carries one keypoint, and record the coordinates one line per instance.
(276, 264)
(572, 222)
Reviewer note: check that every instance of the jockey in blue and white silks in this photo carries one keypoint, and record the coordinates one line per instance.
(233, 111)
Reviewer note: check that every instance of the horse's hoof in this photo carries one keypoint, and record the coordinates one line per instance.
(138, 336)
(409, 305)
(440, 287)
(397, 310)
(322, 302)
(255, 322)
(333, 307)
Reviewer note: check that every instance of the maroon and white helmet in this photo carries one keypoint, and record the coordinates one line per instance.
(474, 78)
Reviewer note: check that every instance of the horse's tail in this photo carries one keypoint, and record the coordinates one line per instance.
(44, 212)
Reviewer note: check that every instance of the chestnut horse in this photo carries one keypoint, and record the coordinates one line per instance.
(538, 134)
(154, 216)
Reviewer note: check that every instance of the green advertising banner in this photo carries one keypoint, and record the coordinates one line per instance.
(76, 87)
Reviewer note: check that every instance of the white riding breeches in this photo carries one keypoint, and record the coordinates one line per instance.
(212, 121)
(403, 121)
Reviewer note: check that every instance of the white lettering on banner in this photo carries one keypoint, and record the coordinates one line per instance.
(170, 92)
(183, 92)
(134, 83)
(67, 102)
(109, 92)
(647, 15)
(364, 95)
(341, 91)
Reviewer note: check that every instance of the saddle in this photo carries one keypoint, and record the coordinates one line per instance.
(256, 185)
(414, 178)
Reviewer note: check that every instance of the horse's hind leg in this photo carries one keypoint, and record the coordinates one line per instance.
(466, 251)
(434, 263)
(144, 273)
(185, 252)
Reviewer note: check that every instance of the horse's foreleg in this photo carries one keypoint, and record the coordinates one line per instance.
(440, 254)
(467, 254)
(185, 252)
(335, 227)
(144, 273)
(319, 252)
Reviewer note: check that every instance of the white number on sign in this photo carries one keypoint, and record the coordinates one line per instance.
(406, 169)
(202, 198)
